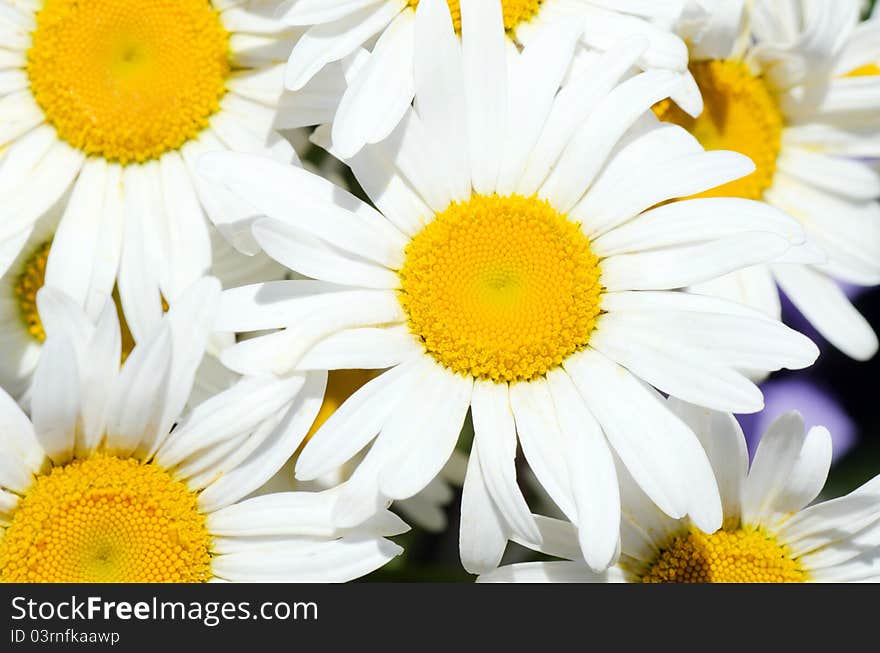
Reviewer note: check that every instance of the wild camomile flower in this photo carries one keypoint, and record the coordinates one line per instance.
(795, 86)
(96, 487)
(104, 108)
(380, 90)
(768, 536)
(523, 263)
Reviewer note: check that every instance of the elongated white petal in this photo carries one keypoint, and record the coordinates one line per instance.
(482, 533)
(662, 454)
(827, 308)
(591, 470)
(725, 445)
(335, 561)
(484, 60)
(774, 460)
(436, 419)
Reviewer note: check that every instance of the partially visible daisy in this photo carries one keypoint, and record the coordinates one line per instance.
(104, 108)
(427, 509)
(526, 270)
(98, 488)
(769, 535)
(381, 90)
(795, 86)
(22, 328)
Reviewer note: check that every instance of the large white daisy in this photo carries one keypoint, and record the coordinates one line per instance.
(98, 488)
(381, 90)
(104, 108)
(515, 266)
(769, 536)
(795, 86)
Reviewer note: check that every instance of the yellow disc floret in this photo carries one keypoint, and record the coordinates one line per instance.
(341, 384)
(516, 12)
(27, 284)
(736, 555)
(740, 114)
(501, 288)
(128, 80)
(106, 519)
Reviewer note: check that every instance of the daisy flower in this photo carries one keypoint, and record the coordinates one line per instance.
(769, 536)
(515, 267)
(795, 86)
(96, 487)
(104, 108)
(381, 90)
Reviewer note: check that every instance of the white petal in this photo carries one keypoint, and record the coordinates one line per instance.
(440, 94)
(678, 267)
(335, 561)
(381, 92)
(827, 308)
(312, 257)
(662, 454)
(305, 201)
(808, 475)
(435, 419)
(482, 532)
(363, 349)
(495, 440)
(55, 401)
(696, 220)
(675, 368)
(542, 442)
(484, 60)
(591, 470)
(332, 41)
(585, 155)
(725, 445)
(774, 460)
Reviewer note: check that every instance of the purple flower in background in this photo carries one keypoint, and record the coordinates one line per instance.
(818, 407)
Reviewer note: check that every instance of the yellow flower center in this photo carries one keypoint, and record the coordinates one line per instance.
(29, 281)
(736, 555)
(501, 288)
(516, 12)
(864, 71)
(740, 114)
(341, 384)
(128, 80)
(106, 519)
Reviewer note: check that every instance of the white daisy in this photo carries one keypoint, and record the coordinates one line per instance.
(381, 90)
(769, 536)
(104, 108)
(516, 268)
(794, 85)
(98, 488)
